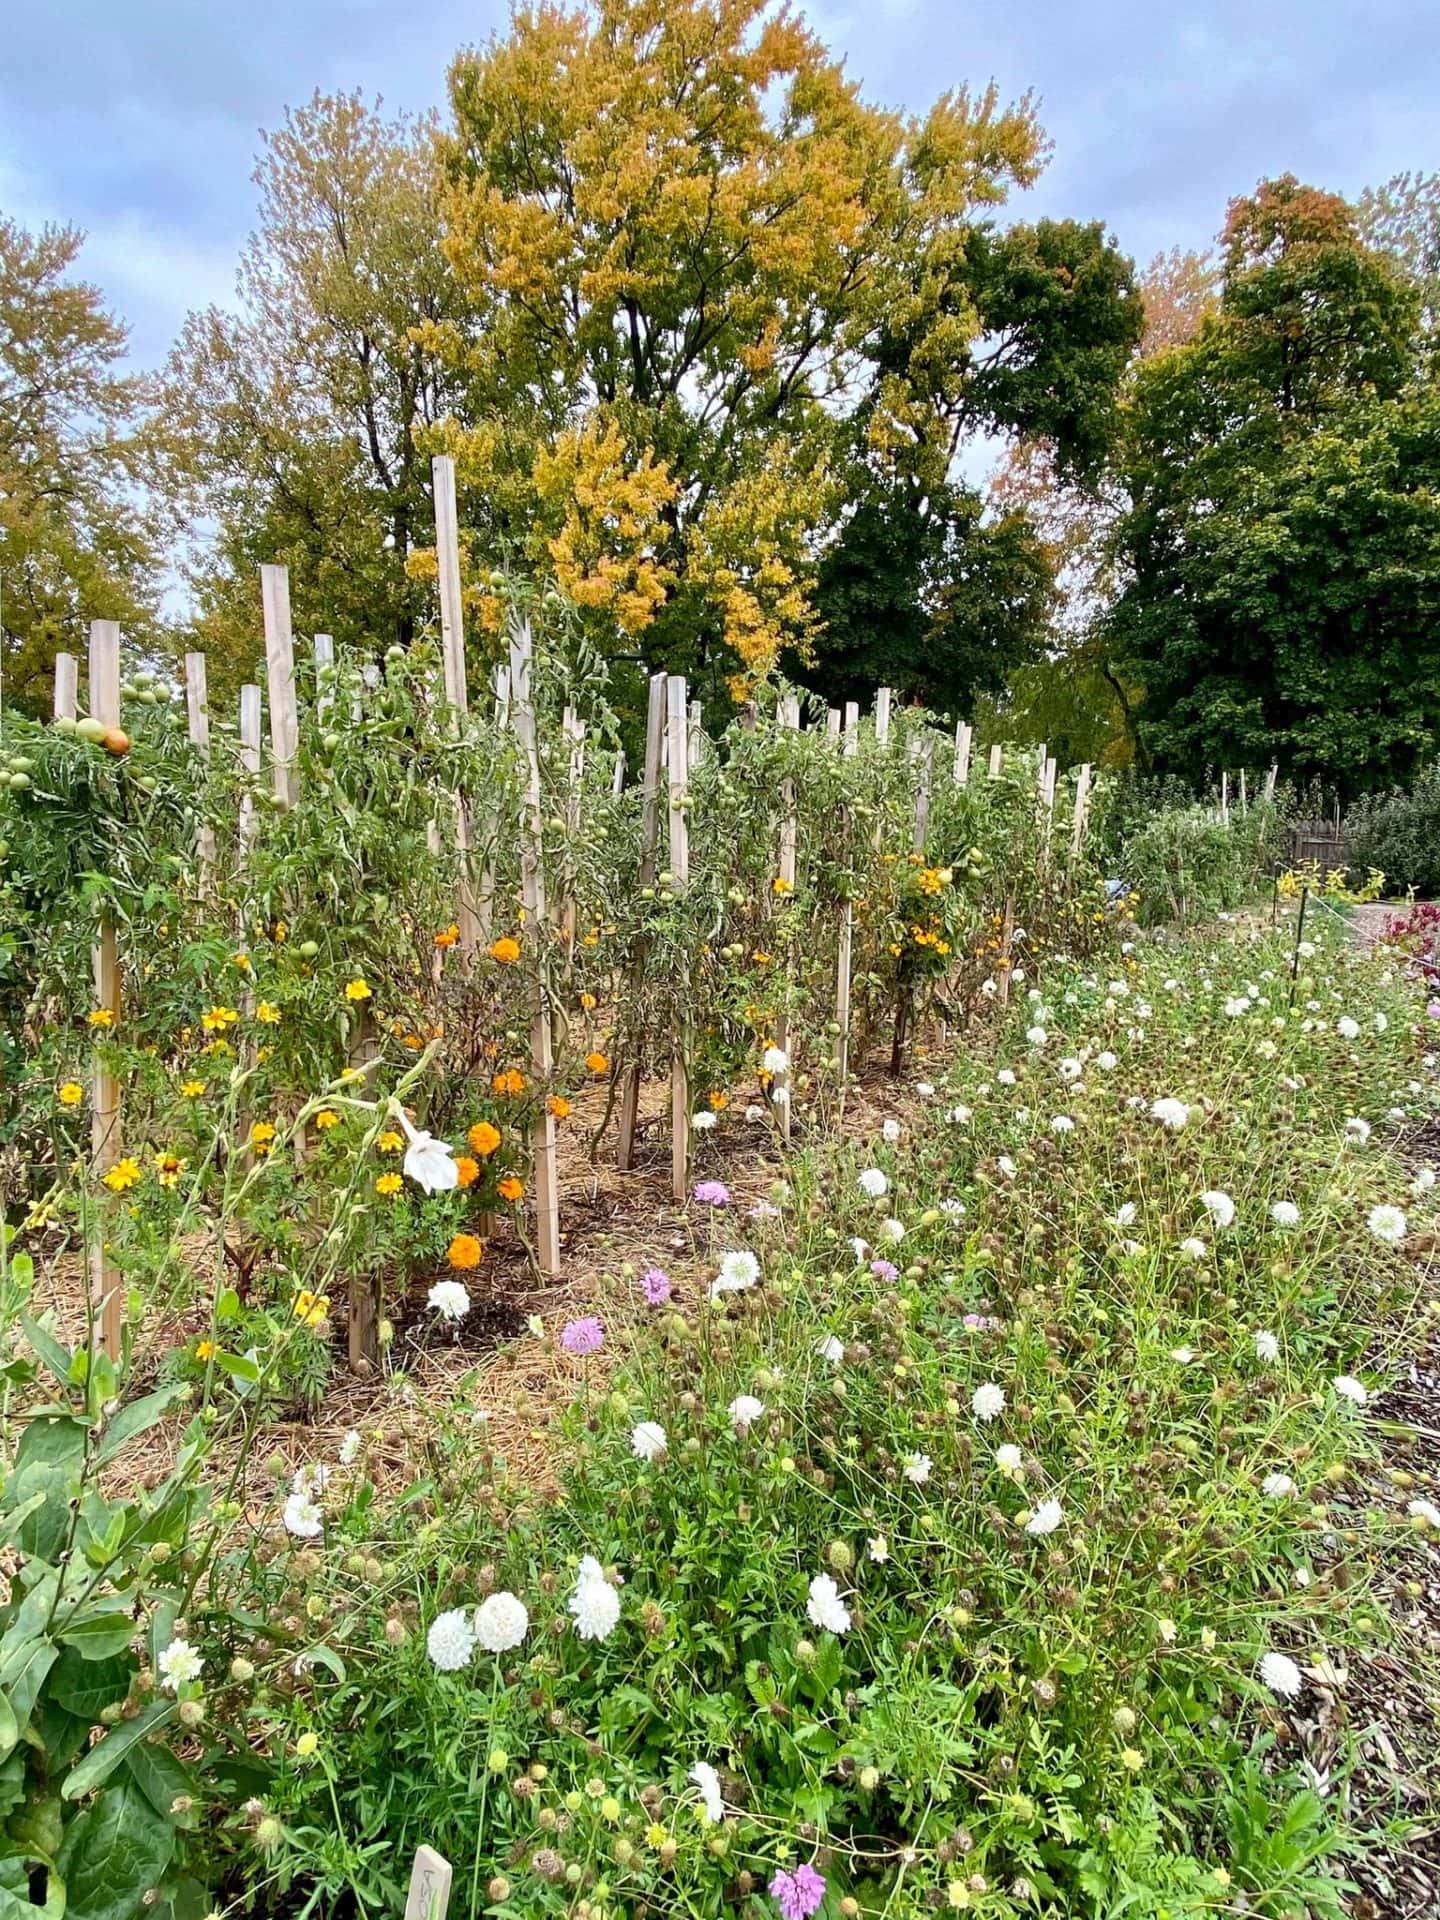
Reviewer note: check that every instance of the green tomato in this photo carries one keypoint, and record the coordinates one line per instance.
(91, 730)
(308, 949)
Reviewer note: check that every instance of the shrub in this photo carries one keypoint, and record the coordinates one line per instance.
(1399, 832)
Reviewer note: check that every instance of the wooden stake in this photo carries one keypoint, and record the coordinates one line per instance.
(1244, 797)
(1082, 803)
(452, 651)
(250, 761)
(925, 754)
(649, 843)
(67, 676)
(995, 758)
(532, 884)
(106, 1297)
(832, 723)
(882, 716)
(789, 717)
(197, 712)
(324, 661)
(677, 745)
(844, 958)
(280, 673)
(962, 754)
(1270, 779)
(1225, 799)
(1007, 932)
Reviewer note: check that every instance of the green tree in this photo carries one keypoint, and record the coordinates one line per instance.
(1230, 440)
(75, 542)
(297, 422)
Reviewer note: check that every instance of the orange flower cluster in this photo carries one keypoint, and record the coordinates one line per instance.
(464, 1252)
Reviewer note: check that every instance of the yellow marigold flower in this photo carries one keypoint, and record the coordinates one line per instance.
(760, 957)
(388, 1184)
(191, 1089)
(70, 1093)
(448, 936)
(718, 1101)
(511, 1187)
(559, 1106)
(467, 1171)
(327, 1118)
(390, 1141)
(242, 961)
(483, 1138)
(101, 1016)
(413, 1042)
(310, 1308)
(262, 1134)
(587, 1000)
(357, 990)
(781, 885)
(464, 1252)
(123, 1175)
(506, 950)
(205, 1350)
(268, 1014)
(169, 1167)
(597, 1063)
(218, 1018)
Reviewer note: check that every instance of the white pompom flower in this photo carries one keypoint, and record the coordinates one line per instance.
(1281, 1675)
(594, 1605)
(825, 1607)
(501, 1622)
(648, 1440)
(450, 1642)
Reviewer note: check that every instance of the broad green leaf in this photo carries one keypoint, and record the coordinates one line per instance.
(9, 1728)
(238, 1365)
(48, 1349)
(96, 1631)
(161, 1776)
(86, 1685)
(113, 1854)
(23, 1675)
(137, 1417)
(103, 1758)
(54, 1440)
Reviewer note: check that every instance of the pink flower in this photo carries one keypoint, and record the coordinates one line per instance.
(884, 1270)
(656, 1286)
(583, 1336)
(798, 1894)
(713, 1193)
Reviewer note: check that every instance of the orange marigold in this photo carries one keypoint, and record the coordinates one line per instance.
(559, 1106)
(597, 1062)
(467, 1171)
(506, 950)
(511, 1082)
(447, 936)
(483, 1138)
(511, 1187)
(464, 1252)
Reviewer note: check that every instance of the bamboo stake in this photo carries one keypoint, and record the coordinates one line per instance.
(280, 673)
(197, 712)
(106, 1298)
(649, 842)
(677, 761)
(67, 678)
(532, 883)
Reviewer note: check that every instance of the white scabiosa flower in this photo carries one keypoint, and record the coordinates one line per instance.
(754, 1113)
(988, 1401)
(1006, 1166)
(1194, 1248)
(1347, 1028)
(1009, 1458)
(449, 1299)
(179, 1664)
(891, 1131)
(1037, 1036)
(1267, 1347)
(707, 1780)
(450, 1642)
(916, 1467)
(1182, 1356)
(1426, 1512)
(1125, 1214)
(1219, 1206)
(1387, 1223)
(1170, 1113)
(890, 1233)
(1070, 1069)
(1382, 1024)
(501, 1622)
(1107, 1061)
(1006, 1076)
(873, 1183)
(739, 1269)
(744, 1410)
(960, 1115)
(1285, 1214)
(1351, 1389)
(925, 1089)
(1062, 1123)
(648, 1440)
(302, 1516)
(825, 1607)
(594, 1606)
(1045, 1519)
(877, 1549)
(1281, 1675)
(1237, 1005)
(704, 1120)
(1357, 1131)
(1423, 1183)
(831, 1349)
(1277, 1486)
(775, 1060)
(349, 1449)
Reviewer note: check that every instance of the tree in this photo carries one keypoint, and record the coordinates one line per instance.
(1230, 441)
(75, 544)
(687, 241)
(297, 424)
(1402, 219)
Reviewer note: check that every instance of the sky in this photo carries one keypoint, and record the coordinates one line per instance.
(138, 120)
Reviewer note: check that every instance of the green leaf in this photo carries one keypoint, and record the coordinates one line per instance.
(113, 1855)
(137, 1417)
(103, 1758)
(48, 1349)
(13, 1907)
(238, 1365)
(86, 1685)
(9, 1728)
(23, 1675)
(99, 1633)
(54, 1440)
(161, 1776)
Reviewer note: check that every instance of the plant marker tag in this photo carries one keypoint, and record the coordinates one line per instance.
(429, 1893)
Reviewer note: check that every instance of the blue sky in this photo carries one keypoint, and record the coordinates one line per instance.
(139, 120)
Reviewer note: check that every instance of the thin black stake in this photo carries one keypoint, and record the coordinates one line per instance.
(1299, 929)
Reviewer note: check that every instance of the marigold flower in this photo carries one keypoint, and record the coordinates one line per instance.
(390, 1141)
(587, 1001)
(192, 1089)
(389, 1183)
(310, 1309)
(205, 1350)
(267, 1013)
(484, 1138)
(559, 1106)
(218, 1018)
(262, 1135)
(357, 990)
(447, 936)
(506, 950)
(70, 1094)
(597, 1063)
(467, 1170)
(509, 1083)
(327, 1118)
(511, 1187)
(242, 961)
(101, 1017)
(464, 1252)
(123, 1175)
(169, 1167)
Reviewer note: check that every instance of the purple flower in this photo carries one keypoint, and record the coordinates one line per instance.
(884, 1270)
(583, 1336)
(712, 1193)
(763, 1210)
(798, 1894)
(1434, 1009)
(655, 1286)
